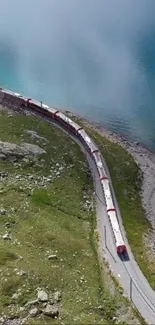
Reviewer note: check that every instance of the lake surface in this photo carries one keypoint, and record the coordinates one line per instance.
(92, 57)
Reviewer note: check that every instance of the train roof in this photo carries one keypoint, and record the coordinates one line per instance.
(99, 164)
(35, 102)
(98, 160)
(116, 228)
(46, 106)
(17, 95)
(50, 109)
(119, 238)
(88, 140)
(107, 193)
(6, 91)
(68, 120)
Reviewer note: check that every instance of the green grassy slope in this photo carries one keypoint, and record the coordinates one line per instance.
(47, 214)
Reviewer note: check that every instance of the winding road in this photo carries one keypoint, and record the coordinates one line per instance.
(128, 273)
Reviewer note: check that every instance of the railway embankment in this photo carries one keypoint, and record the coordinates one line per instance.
(132, 169)
(48, 262)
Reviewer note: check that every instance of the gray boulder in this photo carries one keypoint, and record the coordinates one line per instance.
(51, 311)
(33, 312)
(7, 236)
(3, 212)
(42, 296)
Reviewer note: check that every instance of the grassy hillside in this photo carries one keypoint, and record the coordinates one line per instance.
(47, 212)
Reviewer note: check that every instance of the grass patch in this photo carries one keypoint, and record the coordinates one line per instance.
(6, 256)
(127, 180)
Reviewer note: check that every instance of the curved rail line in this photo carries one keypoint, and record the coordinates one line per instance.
(113, 238)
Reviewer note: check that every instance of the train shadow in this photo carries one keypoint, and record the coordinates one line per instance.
(124, 257)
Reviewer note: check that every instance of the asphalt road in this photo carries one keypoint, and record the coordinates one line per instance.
(128, 273)
(135, 285)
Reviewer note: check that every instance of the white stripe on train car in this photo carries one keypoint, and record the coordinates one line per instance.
(45, 106)
(18, 95)
(68, 120)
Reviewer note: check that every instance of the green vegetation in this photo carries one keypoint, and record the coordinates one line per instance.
(127, 179)
(45, 199)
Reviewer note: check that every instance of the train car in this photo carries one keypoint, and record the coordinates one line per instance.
(34, 104)
(100, 169)
(120, 245)
(108, 198)
(67, 122)
(41, 108)
(99, 164)
(97, 157)
(87, 141)
(112, 215)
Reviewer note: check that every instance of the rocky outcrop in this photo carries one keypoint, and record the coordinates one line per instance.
(46, 304)
(11, 150)
(34, 135)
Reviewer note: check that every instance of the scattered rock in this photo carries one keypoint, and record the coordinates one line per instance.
(42, 296)
(33, 312)
(51, 311)
(21, 273)
(57, 296)
(21, 308)
(52, 257)
(20, 257)
(16, 296)
(2, 157)
(31, 177)
(25, 160)
(3, 174)
(32, 302)
(7, 236)
(7, 224)
(13, 210)
(3, 212)
(18, 177)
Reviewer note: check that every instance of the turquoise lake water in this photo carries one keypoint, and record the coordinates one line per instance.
(96, 58)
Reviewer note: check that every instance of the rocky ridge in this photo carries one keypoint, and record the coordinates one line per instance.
(13, 151)
(47, 304)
